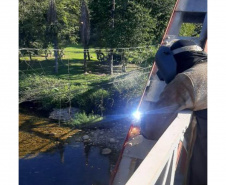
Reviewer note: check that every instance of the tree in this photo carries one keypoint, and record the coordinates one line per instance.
(32, 23)
(161, 12)
(34, 31)
(68, 14)
(53, 30)
(120, 24)
(136, 23)
(190, 30)
(85, 31)
(112, 26)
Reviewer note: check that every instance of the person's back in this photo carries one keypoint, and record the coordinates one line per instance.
(198, 82)
(187, 90)
(198, 77)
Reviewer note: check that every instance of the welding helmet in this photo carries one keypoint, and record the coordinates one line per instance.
(169, 57)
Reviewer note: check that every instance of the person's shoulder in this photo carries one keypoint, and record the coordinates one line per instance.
(182, 80)
(197, 70)
(182, 77)
(200, 65)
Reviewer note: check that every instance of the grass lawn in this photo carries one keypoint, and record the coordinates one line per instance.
(93, 92)
(70, 66)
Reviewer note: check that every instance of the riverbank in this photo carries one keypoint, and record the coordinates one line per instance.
(39, 134)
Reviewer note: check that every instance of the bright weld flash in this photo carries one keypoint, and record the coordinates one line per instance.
(137, 115)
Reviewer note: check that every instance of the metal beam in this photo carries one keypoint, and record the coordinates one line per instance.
(152, 166)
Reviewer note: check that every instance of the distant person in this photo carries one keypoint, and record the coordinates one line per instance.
(186, 89)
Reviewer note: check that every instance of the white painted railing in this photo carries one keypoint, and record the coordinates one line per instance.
(159, 166)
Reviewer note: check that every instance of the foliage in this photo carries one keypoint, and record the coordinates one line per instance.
(190, 30)
(67, 25)
(93, 100)
(83, 118)
(95, 92)
(100, 96)
(49, 91)
(127, 89)
(116, 95)
(132, 24)
(136, 22)
(32, 23)
(34, 30)
(161, 12)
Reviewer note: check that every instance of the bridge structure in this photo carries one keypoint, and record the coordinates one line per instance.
(166, 160)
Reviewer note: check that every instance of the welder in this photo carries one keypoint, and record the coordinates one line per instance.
(183, 66)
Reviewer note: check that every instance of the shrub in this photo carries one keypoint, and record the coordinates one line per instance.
(93, 100)
(100, 97)
(83, 118)
(126, 90)
(49, 91)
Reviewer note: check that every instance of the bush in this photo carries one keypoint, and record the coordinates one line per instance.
(50, 92)
(99, 97)
(83, 118)
(93, 100)
(126, 90)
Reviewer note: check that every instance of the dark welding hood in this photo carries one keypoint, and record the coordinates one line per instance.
(166, 63)
(169, 59)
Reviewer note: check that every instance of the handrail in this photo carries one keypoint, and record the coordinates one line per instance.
(162, 153)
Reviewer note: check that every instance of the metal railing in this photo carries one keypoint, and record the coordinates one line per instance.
(159, 166)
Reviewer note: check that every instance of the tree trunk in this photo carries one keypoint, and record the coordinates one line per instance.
(56, 56)
(46, 54)
(111, 62)
(123, 68)
(88, 55)
(112, 25)
(85, 63)
(98, 54)
(113, 14)
(123, 62)
(30, 57)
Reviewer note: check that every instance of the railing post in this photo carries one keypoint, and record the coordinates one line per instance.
(173, 167)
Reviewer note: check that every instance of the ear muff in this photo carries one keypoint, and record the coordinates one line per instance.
(166, 64)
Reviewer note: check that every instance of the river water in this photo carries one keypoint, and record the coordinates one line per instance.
(70, 165)
(53, 155)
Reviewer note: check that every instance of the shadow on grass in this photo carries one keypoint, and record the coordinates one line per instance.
(47, 67)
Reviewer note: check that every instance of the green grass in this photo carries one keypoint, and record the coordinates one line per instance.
(95, 92)
(76, 52)
(71, 52)
(70, 67)
(84, 119)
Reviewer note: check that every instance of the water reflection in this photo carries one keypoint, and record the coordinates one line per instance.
(46, 169)
(52, 155)
(39, 135)
(86, 152)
